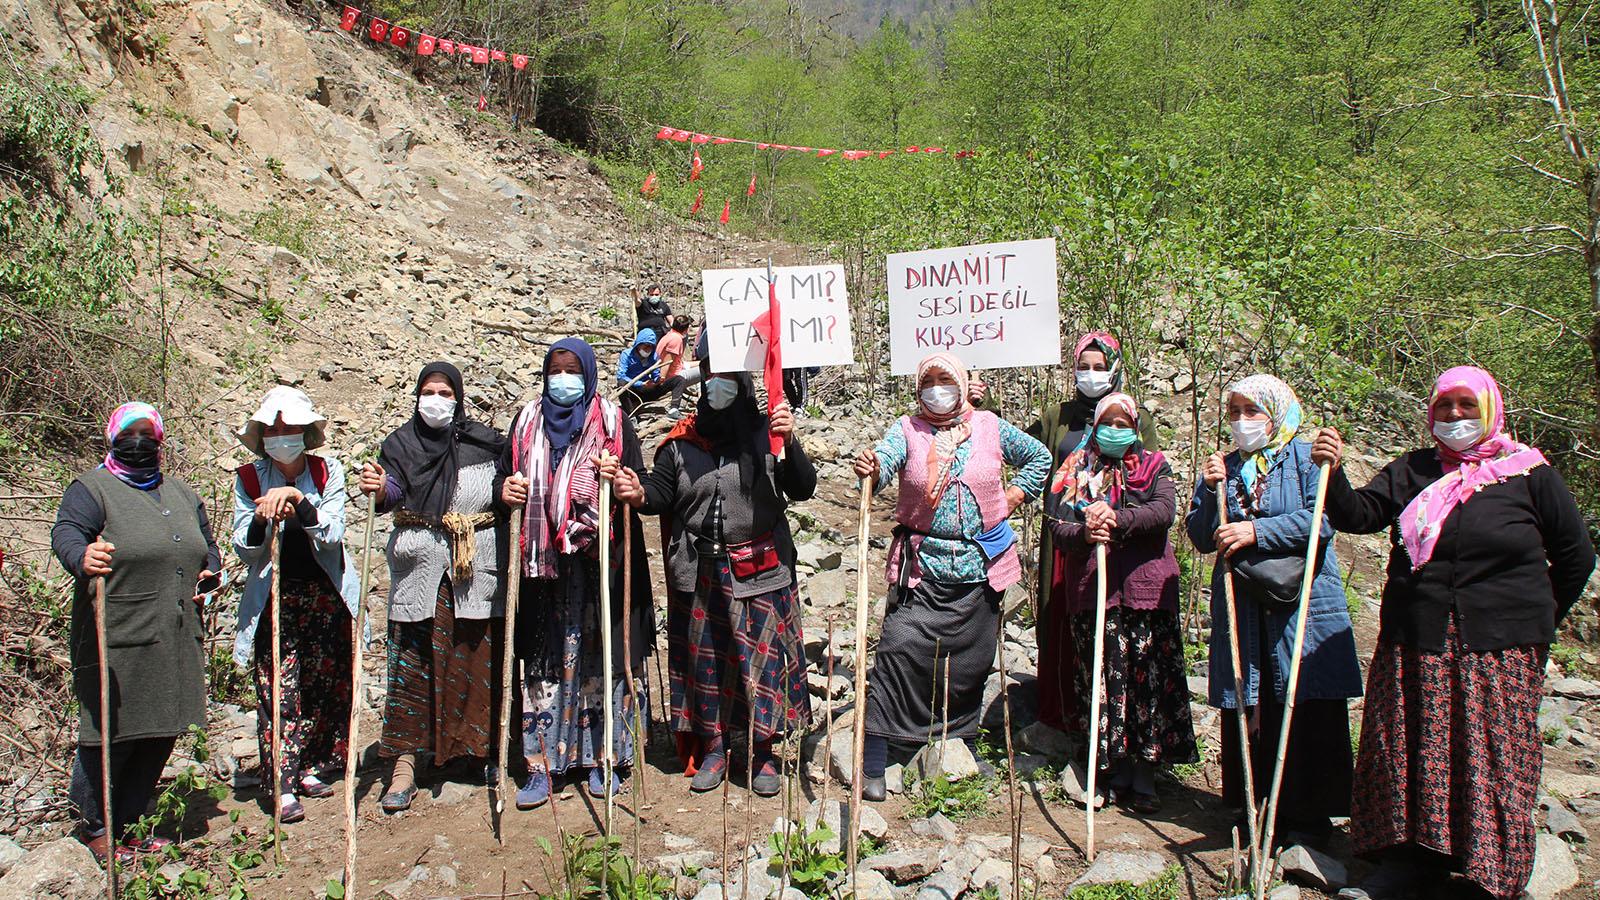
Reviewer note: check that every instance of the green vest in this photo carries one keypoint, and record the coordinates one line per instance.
(154, 633)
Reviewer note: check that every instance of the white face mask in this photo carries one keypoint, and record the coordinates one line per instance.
(1460, 434)
(721, 392)
(940, 398)
(284, 448)
(1250, 435)
(1093, 383)
(437, 410)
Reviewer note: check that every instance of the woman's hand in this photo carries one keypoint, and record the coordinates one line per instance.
(97, 558)
(866, 465)
(199, 593)
(373, 478)
(782, 421)
(625, 486)
(1235, 536)
(1328, 448)
(1098, 535)
(1014, 498)
(977, 391)
(514, 491)
(1099, 515)
(1215, 470)
(607, 464)
(277, 504)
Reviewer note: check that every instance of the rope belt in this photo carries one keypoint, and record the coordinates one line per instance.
(459, 528)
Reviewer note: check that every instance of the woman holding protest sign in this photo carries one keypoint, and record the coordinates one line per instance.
(735, 651)
(952, 557)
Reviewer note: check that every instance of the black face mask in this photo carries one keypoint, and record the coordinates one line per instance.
(136, 451)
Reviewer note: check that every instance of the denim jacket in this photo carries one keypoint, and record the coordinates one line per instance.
(327, 542)
(1328, 667)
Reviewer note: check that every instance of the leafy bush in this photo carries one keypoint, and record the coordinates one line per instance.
(962, 798)
(1165, 887)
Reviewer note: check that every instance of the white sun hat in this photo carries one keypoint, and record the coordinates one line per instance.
(296, 409)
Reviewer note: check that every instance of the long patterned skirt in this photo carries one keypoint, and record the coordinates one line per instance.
(563, 689)
(1145, 715)
(1450, 757)
(314, 691)
(722, 651)
(929, 627)
(444, 677)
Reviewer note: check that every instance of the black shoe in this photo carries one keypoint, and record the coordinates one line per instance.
(293, 811)
(874, 789)
(398, 801)
(712, 770)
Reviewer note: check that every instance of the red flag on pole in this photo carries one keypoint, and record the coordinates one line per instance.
(426, 44)
(399, 36)
(769, 326)
(483, 103)
(751, 191)
(379, 30)
(649, 187)
(727, 207)
(697, 198)
(349, 19)
(519, 61)
(696, 167)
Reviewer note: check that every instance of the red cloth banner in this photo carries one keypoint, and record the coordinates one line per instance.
(697, 200)
(696, 167)
(497, 55)
(350, 18)
(699, 138)
(770, 326)
(751, 191)
(822, 153)
(464, 49)
(447, 47)
(483, 103)
(399, 36)
(426, 44)
(727, 207)
(379, 30)
(518, 61)
(480, 56)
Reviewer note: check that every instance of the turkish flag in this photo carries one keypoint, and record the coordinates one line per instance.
(911, 149)
(464, 49)
(751, 191)
(696, 167)
(426, 44)
(665, 133)
(826, 152)
(447, 46)
(480, 56)
(379, 30)
(399, 36)
(349, 19)
(518, 61)
(856, 154)
(697, 198)
(722, 140)
(483, 103)
(497, 55)
(769, 326)
(649, 188)
(763, 146)
(884, 154)
(700, 138)
(727, 207)
(932, 149)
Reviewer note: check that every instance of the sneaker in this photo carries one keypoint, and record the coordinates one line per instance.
(674, 414)
(597, 780)
(766, 782)
(535, 791)
(711, 772)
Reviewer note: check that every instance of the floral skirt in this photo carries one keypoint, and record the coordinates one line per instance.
(314, 690)
(724, 653)
(444, 676)
(1145, 713)
(1450, 758)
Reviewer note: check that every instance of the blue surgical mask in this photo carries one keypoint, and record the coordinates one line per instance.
(1114, 441)
(564, 388)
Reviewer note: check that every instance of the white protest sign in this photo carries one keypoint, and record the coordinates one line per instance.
(992, 305)
(812, 305)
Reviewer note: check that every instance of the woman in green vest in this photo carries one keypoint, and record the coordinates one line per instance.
(146, 535)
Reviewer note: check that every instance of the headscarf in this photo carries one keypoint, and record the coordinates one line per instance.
(426, 460)
(1080, 408)
(1279, 402)
(564, 423)
(121, 418)
(1087, 475)
(739, 431)
(951, 429)
(1492, 460)
(295, 408)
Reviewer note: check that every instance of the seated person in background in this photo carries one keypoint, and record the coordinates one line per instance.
(638, 375)
(675, 376)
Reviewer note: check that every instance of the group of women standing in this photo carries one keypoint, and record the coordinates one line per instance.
(1489, 552)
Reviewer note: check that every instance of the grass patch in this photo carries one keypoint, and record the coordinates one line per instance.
(1165, 887)
(963, 798)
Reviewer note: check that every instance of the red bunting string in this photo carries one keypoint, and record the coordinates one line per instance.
(668, 133)
(384, 32)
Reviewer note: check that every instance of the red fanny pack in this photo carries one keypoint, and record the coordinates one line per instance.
(752, 558)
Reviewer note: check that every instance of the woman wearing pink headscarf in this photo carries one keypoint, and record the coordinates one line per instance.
(1490, 552)
(952, 557)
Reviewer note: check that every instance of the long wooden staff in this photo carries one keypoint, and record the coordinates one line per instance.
(860, 738)
(1011, 766)
(275, 598)
(352, 748)
(627, 661)
(508, 655)
(605, 648)
(1306, 580)
(1098, 684)
(1247, 766)
(105, 736)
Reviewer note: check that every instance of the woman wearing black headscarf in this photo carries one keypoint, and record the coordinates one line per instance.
(560, 448)
(436, 474)
(733, 620)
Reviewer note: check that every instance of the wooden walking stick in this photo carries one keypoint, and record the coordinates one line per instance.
(827, 718)
(508, 655)
(627, 664)
(1098, 682)
(105, 736)
(608, 755)
(1306, 580)
(860, 736)
(1011, 768)
(1247, 766)
(275, 598)
(352, 748)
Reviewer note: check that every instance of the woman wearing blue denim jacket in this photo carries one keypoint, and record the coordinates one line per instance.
(302, 494)
(1271, 485)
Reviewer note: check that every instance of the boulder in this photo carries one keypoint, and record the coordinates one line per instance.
(1577, 688)
(992, 874)
(836, 816)
(905, 866)
(869, 885)
(1313, 868)
(1133, 866)
(936, 826)
(1570, 785)
(1553, 869)
(952, 759)
(11, 853)
(1046, 741)
(1561, 822)
(1073, 784)
(60, 870)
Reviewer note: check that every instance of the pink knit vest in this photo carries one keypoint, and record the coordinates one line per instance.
(982, 474)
